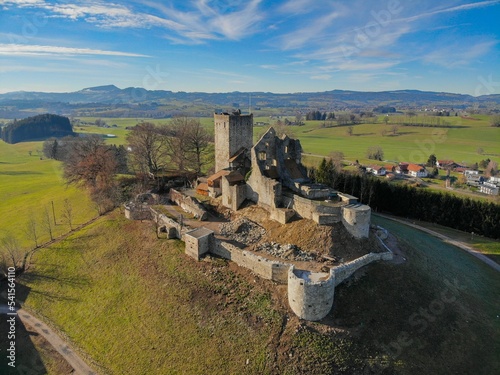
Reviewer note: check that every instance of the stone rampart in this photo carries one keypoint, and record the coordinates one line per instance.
(310, 295)
(173, 228)
(343, 271)
(356, 219)
(137, 211)
(325, 212)
(188, 204)
(265, 268)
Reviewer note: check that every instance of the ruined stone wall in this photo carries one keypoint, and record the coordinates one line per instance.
(234, 195)
(356, 219)
(282, 215)
(312, 210)
(137, 212)
(265, 268)
(231, 133)
(345, 270)
(188, 204)
(173, 228)
(310, 298)
(261, 189)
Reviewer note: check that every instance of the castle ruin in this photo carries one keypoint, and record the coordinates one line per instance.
(270, 173)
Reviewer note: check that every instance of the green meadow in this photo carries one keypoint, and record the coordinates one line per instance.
(28, 186)
(411, 143)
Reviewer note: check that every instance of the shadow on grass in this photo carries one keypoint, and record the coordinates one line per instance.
(27, 358)
(19, 173)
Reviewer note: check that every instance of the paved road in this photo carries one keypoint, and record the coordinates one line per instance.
(449, 240)
(80, 367)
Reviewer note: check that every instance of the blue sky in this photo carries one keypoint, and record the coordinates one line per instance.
(251, 45)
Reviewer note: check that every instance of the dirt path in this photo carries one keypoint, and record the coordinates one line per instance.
(449, 240)
(57, 342)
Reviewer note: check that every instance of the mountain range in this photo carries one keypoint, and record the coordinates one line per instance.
(112, 101)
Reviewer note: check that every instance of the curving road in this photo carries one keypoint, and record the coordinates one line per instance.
(449, 240)
(80, 367)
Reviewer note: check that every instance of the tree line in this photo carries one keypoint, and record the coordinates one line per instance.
(182, 146)
(37, 127)
(460, 213)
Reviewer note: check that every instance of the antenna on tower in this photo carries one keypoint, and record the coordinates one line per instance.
(250, 103)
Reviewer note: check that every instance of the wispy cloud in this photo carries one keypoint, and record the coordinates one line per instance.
(37, 50)
(456, 54)
(202, 20)
(458, 8)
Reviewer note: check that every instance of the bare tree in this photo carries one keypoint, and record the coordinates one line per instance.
(67, 213)
(337, 158)
(375, 152)
(298, 118)
(47, 223)
(491, 169)
(394, 129)
(350, 130)
(190, 144)
(149, 148)
(13, 255)
(31, 230)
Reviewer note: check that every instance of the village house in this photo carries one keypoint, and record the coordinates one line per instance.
(416, 170)
(376, 170)
(402, 168)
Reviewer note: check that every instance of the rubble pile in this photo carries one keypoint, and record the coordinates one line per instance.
(288, 251)
(242, 230)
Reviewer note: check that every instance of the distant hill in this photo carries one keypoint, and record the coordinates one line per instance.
(37, 127)
(111, 101)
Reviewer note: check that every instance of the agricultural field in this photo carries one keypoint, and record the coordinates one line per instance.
(29, 185)
(412, 144)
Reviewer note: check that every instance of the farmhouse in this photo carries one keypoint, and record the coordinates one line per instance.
(376, 170)
(402, 168)
(416, 170)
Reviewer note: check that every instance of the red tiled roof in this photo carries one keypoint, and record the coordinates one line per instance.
(415, 168)
(445, 162)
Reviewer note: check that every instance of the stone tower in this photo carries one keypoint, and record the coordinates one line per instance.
(232, 132)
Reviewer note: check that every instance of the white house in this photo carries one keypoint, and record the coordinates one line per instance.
(376, 170)
(416, 170)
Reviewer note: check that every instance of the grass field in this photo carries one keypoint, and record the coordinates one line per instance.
(29, 185)
(412, 144)
(137, 305)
